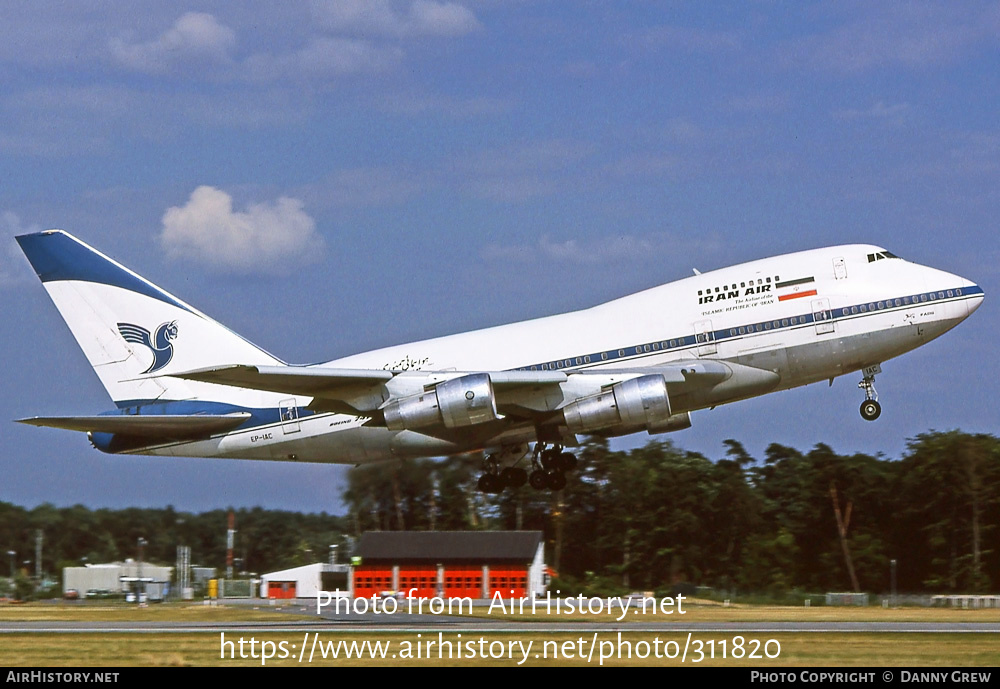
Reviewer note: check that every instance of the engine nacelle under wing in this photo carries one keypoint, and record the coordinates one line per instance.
(640, 402)
(455, 403)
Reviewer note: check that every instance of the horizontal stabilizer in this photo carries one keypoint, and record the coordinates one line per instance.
(147, 426)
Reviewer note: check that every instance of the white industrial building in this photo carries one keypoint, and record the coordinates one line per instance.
(305, 581)
(108, 577)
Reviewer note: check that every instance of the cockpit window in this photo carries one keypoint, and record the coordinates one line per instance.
(880, 255)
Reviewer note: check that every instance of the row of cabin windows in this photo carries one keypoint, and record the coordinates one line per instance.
(580, 360)
(758, 327)
(750, 283)
(904, 301)
(761, 327)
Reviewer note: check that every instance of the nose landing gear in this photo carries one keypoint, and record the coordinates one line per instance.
(870, 408)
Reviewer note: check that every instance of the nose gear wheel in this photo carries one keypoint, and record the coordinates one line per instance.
(870, 408)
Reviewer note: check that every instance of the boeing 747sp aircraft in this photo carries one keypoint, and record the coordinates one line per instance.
(184, 385)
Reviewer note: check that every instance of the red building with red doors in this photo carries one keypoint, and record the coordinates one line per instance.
(459, 564)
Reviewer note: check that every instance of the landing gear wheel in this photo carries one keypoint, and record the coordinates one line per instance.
(870, 410)
(550, 459)
(555, 480)
(538, 480)
(567, 461)
(513, 477)
(490, 483)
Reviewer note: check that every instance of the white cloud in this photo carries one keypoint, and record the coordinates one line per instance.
(323, 57)
(382, 17)
(440, 19)
(266, 238)
(195, 38)
(13, 267)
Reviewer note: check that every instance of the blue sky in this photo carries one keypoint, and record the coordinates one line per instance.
(329, 177)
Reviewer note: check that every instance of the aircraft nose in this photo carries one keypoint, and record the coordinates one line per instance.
(976, 295)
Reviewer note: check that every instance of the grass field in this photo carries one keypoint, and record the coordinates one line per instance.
(471, 647)
(693, 612)
(205, 649)
(123, 612)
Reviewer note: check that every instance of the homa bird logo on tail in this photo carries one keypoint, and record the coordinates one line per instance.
(160, 345)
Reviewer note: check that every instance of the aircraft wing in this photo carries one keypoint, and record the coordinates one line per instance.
(307, 381)
(519, 393)
(319, 381)
(145, 425)
(353, 391)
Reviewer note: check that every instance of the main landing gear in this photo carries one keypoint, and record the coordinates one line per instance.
(549, 465)
(870, 408)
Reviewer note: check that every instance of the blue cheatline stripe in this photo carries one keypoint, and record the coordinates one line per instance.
(259, 416)
(56, 255)
(749, 329)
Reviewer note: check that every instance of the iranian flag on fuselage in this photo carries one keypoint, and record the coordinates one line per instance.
(794, 289)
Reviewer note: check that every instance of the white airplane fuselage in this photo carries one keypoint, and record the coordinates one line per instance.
(776, 323)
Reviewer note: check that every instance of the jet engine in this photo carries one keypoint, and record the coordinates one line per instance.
(455, 403)
(637, 403)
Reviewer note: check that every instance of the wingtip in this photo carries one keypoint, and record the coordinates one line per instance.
(31, 421)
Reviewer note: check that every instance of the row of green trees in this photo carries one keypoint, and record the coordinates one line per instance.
(73, 536)
(656, 516)
(644, 519)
